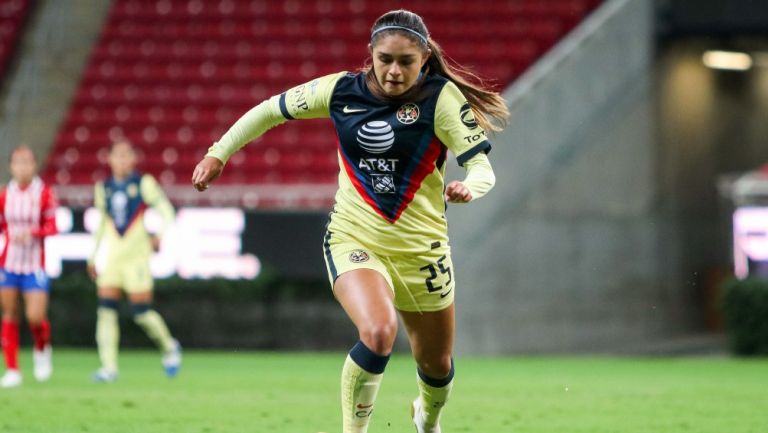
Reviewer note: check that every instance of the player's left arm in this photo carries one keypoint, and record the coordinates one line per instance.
(155, 198)
(3, 226)
(456, 127)
(48, 206)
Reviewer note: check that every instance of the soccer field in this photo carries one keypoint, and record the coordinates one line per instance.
(298, 393)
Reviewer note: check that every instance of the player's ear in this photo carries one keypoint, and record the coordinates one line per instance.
(427, 54)
(370, 49)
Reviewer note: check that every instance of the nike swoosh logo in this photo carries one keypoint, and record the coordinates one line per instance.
(360, 406)
(443, 295)
(353, 110)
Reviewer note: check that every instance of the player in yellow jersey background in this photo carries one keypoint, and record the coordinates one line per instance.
(386, 246)
(127, 247)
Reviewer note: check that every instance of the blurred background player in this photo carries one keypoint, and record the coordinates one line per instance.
(122, 200)
(386, 246)
(27, 216)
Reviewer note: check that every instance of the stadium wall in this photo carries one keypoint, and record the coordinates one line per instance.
(572, 250)
(710, 17)
(50, 59)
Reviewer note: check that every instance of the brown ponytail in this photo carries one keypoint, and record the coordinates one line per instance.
(488, 106)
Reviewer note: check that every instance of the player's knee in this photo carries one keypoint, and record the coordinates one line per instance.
(108, 304)
(139, 309)
(10, 316)
(379, 337)
(11, 313)
(437, 367)
(35, 318)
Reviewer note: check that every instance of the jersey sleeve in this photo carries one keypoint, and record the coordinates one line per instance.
(456, 127)
(100, 203)
(480, 177)
(154, 197)
(48, 206)
(308, 101)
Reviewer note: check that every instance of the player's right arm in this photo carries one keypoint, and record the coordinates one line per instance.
(308, 101)
(100, 203)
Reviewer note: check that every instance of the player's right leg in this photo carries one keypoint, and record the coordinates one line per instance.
(364, 289)
(9, 300)
(367, 299)
(107, 334)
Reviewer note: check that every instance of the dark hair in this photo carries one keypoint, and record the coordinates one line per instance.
(121, 142)
(486, 104)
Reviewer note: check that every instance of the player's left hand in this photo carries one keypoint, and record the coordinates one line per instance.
(21, 236)
(456, 192)
(155, 242)
(92, 271)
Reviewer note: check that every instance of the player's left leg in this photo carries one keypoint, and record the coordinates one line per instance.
(36, 306)
(9, 299)
(431, 337)
(154, 326)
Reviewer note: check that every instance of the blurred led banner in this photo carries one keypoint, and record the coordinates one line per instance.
(302, 197)
(201, 243)
(750, 242)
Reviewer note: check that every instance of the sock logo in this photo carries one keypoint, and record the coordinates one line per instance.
(364, 410)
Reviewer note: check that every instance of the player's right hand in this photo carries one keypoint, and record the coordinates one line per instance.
(205, 172)
(92, 271)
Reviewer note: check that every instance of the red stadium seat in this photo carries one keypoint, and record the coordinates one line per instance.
(173, 75)
(12, 17)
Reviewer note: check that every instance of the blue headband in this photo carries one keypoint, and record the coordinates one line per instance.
(422, 37)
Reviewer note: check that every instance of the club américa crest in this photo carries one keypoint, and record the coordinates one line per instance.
(408, 113)
(358, 256)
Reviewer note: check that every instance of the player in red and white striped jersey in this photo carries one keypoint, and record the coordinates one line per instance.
(27, 216)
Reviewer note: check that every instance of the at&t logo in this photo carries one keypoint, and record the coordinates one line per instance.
(376, 137)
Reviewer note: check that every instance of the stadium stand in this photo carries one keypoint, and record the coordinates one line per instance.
(13, 14)
(172, 75)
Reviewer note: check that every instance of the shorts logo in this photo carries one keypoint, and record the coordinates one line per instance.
(408, 113)
(358, 256)
(41, 279)
(376, 137)
(467, 116)
(383, 183)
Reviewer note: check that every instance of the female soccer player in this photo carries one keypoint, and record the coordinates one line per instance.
(386, 247)
(27, 216)
(121, 200)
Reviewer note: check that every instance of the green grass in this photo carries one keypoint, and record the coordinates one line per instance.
(298, 393)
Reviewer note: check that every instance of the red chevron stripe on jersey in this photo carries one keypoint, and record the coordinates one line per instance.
(359, 186)
(426, 164)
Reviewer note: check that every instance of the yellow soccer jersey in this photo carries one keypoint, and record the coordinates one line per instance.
(391, 156)
(122, 205)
